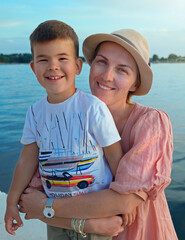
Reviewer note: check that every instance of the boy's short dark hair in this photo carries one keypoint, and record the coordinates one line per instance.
(51, 30)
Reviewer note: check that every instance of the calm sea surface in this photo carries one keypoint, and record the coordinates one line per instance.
(19, 89)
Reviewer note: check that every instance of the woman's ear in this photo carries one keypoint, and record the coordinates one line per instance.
(79, 63)
(133, 87)
(136, 84)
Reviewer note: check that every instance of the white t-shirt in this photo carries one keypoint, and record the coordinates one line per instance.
(70, 136)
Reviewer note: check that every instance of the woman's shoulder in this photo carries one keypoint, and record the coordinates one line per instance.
(147, 111)
(144, 118)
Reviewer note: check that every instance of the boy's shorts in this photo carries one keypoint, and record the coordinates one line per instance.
(55, 233)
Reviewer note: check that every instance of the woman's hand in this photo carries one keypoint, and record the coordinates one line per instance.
(32, 203)
(129, 218)
(109, 226)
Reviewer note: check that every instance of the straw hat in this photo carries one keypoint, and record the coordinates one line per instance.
(134, 43)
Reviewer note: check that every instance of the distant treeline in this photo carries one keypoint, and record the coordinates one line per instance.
(27, 57)
(15, 58)
(18, 58)
(172, 58)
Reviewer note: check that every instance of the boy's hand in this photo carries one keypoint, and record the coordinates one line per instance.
(129, 218)
(12, 219)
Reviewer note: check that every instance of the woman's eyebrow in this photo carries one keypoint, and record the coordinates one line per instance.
(100, 55)
(120, 65)
(124, 65)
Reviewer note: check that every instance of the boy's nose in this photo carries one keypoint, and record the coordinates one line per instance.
(53, 65)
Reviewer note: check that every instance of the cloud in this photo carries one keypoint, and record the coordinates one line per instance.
(10, 24)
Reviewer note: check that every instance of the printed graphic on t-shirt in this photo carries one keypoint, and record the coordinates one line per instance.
(68, 153)
(66, 172)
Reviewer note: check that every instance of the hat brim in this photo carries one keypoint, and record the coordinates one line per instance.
(146, 75)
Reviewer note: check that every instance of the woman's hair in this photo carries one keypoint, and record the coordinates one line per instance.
(138, 80)
(51, 30)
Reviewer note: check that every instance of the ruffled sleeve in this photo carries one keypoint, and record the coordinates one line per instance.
(146, 167)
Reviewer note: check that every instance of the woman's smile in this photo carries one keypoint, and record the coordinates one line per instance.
(105, 87)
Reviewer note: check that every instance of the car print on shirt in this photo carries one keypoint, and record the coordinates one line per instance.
(67, 180)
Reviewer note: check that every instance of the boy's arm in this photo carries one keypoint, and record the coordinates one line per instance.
(113, 154)
(23, 173)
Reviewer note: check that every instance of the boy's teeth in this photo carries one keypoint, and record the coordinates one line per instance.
(54, 78)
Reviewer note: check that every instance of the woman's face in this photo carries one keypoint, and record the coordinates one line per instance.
(113, 74)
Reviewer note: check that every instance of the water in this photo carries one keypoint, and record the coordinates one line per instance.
(19, 89)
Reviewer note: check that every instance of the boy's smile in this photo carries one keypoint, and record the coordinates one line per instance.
(55, 67)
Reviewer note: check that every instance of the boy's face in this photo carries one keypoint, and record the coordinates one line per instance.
(55, 67)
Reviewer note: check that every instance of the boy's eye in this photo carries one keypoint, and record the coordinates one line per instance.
(42, 60)
(62, 59)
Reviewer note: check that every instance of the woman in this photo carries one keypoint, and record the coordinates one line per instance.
(119, 69)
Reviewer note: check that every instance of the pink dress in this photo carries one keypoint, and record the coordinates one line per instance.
(145, 169)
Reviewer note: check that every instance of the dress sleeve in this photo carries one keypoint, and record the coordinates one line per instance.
(146, 167)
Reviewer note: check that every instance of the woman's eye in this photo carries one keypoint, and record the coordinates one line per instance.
(101, 61)
(121, 70)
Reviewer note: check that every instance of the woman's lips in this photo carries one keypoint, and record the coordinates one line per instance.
(105, 87)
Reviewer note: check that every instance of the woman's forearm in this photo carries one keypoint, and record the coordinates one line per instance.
(110, 226)
(99, 204)
(96, 205)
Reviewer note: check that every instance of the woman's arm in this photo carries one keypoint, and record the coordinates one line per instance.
(99, 204)
(110, 226)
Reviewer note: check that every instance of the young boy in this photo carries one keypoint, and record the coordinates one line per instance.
(65, 131)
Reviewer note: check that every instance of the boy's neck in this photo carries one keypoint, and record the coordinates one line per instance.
(58, 98)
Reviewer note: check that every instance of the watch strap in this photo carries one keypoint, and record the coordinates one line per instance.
(49, 202)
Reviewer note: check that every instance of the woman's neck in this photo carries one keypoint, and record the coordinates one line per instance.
(121, 114)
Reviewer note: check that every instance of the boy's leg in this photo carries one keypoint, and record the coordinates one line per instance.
(55, 233)
(91, 236)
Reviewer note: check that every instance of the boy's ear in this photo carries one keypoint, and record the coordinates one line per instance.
(79, 63)
(32, 66)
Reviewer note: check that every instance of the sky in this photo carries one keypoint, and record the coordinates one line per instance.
(162, 22)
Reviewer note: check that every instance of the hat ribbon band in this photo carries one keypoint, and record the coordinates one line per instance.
(126, 40)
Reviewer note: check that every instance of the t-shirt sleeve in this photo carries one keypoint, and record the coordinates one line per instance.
(29, 131)
(103, 126)
(146, 167)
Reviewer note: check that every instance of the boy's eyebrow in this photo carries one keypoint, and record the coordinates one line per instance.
(45, 55)
(121, 65)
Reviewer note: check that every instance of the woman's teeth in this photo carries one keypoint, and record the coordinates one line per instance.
(103, 87)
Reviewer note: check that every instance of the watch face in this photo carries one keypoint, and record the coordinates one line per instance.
(48, 212)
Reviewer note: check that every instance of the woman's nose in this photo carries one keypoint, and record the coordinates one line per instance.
(108, 74)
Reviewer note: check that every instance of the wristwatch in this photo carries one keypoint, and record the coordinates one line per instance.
(48, 210)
